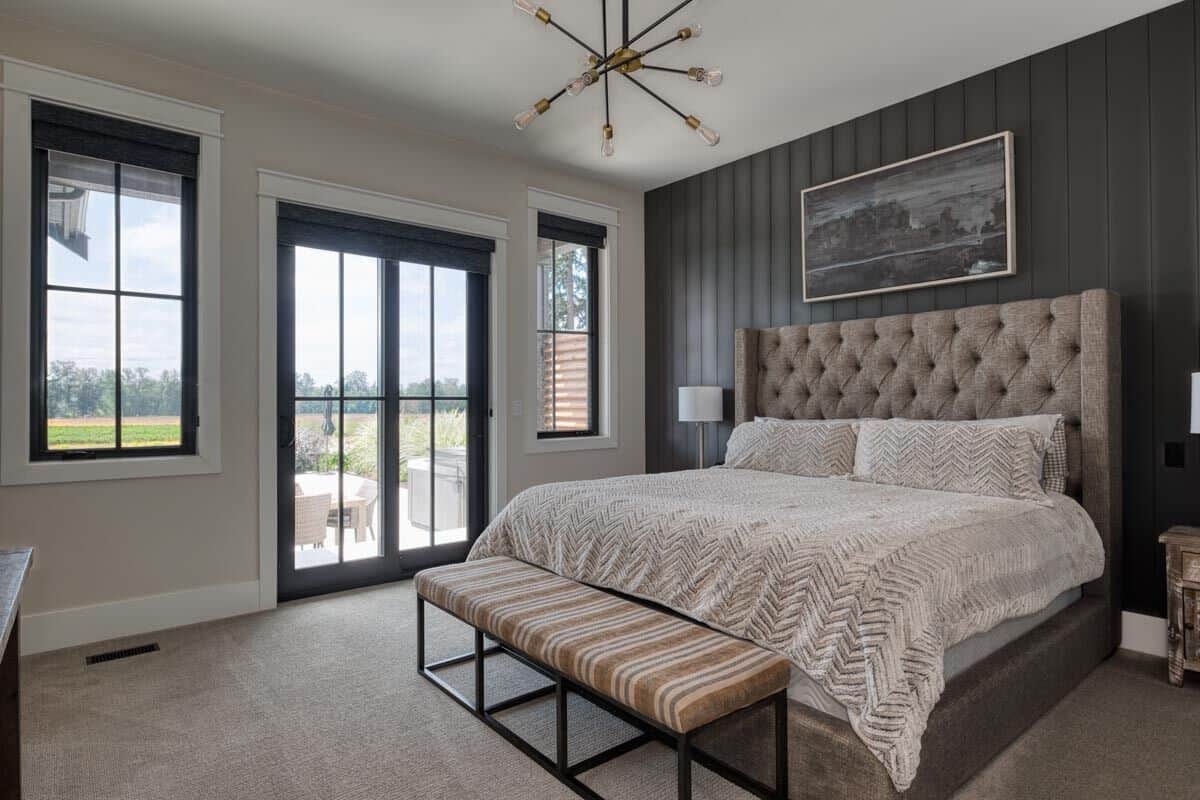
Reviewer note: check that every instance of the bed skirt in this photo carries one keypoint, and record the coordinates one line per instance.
(980, 713)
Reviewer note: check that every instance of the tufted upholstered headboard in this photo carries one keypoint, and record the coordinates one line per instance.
(1059, 356)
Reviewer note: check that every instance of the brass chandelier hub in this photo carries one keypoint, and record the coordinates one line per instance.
(630, 60)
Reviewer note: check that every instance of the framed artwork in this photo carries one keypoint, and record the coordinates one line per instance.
(940, 218)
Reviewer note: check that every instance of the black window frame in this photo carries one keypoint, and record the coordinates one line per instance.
(121, 143)
(593, 334)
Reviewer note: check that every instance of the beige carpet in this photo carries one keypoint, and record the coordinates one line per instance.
(321, 700)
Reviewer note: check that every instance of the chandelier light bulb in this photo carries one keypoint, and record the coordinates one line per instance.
(606, 141)
(526, 6)
(576, 87)
(710, 137)
(694, 31)
(713, 77)
(523, 118)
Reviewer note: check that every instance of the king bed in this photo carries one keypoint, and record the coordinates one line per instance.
(926, 629)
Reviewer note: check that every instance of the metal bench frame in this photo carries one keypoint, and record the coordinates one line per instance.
(561, 767)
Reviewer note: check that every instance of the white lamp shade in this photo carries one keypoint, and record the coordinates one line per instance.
(1195, 428)
(700, 404)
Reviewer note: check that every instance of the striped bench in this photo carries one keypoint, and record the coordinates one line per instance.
(665, 675)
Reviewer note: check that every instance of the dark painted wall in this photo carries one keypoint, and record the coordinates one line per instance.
(1106, 177)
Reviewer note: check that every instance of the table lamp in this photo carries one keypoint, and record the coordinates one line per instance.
(700, 404)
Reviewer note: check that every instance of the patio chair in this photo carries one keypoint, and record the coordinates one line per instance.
(368, 490)
(312, 511)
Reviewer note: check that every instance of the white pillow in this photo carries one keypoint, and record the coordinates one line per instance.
(969, 458)
(814, 449)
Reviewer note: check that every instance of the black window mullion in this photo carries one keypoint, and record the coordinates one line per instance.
(432, 411)
(593, 362)
(117, 285)
(389, 351)
(554, 335)
(189, 412)
(341, 401)
(38, 371)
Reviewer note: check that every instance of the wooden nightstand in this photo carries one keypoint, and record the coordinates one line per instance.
(1183, 600)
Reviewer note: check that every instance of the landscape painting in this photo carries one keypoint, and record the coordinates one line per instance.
(941, 218)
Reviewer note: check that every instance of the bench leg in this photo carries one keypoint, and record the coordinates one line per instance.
(683, 757)
(420, 634)
(478, 671)
(781, 746)
(560, 716)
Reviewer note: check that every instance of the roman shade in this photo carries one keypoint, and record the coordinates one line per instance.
(111, 139)
(306, 226)
(571, 231)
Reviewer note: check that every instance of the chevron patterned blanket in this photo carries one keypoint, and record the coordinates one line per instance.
(862, 586)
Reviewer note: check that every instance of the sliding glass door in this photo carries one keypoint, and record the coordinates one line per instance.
(382, 416)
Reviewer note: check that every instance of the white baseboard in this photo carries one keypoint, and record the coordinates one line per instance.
(1144, 634)
(68, 627)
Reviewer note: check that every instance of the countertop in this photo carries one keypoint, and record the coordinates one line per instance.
(14, 568)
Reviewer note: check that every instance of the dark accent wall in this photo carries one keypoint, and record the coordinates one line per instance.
(1106, 187)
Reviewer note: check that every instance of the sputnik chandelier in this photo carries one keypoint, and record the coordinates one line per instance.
(624, 60)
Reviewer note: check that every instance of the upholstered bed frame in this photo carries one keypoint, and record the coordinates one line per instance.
(1037, 356)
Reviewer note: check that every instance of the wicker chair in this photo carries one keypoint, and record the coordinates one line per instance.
(312, 510)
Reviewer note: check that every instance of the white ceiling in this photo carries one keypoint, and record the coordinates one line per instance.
(462, 68)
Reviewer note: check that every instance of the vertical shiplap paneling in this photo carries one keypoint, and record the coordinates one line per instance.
(760, 186)
(695, 297)
(893, 122)
(921, 112)
(655, 352)
(867, 156)
(708, 261)
(821, 165)
(979, 119)
(1087, 174)
(801, 180)
(949, 118)
(843, 167)
(1106, 194)
(679, 332)
(1049, 161)
(781, 278)
(1129, 275)
(1172, 255)
(1012, 114)
(726, 286)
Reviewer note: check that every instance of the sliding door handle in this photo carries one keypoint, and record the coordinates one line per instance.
(287, 432)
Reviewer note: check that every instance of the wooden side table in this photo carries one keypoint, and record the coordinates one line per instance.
(1183, 600)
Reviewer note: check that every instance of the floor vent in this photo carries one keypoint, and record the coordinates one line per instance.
(100, 658)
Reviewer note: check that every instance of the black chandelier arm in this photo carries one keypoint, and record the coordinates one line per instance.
(652, 25)
(576, 40)
(665, 69)
(653, 94)
(604, 41)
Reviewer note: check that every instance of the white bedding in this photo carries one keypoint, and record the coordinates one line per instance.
(957, 660)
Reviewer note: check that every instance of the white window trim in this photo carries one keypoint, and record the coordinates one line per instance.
(22, 82)
(276, 186)
(600, 214)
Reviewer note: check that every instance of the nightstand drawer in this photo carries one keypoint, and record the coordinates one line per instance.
(1190, 566)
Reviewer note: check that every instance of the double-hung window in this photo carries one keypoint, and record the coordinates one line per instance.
(113, 314)
(568, 326)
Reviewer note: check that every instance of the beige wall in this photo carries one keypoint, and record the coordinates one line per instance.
(111, 540)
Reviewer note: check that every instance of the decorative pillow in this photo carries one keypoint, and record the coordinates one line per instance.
(991, 460)
(810, 448)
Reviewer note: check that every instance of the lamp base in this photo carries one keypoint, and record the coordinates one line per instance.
(700, 446)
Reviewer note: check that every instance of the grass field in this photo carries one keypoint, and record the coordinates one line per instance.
(91, 433)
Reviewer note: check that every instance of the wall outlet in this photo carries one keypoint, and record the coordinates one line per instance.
(1174, 455)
